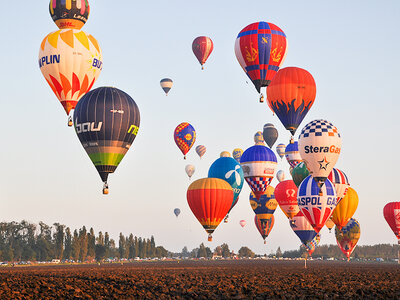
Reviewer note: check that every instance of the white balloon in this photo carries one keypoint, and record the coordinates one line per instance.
(190, 170)
(280, 175)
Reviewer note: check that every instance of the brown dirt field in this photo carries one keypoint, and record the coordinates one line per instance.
(252, 279)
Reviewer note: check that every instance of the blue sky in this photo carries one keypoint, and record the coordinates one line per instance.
(351, 49)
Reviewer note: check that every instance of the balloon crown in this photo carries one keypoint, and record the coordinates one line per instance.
(69, 13)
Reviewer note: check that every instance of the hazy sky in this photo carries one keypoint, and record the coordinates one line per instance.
(350, 47)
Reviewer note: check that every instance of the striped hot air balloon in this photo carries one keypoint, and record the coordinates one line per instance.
(210, 200)
(107, 122)
(69, 13)
(70, 61)
(166, 85)
(339, 179)
(202, 47)
(280, 149)
(316, 204)
(201, 150)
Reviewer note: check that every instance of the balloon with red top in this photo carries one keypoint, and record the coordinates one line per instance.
(202, 47)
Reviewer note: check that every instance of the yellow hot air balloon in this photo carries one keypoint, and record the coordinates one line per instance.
(70, 61)
(329, 224)
(345, 209)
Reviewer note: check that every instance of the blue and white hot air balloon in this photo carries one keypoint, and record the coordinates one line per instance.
(316, 204)
(292, 153)
(302, 228)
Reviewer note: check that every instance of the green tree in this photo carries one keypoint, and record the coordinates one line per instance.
(83, 243)
(202, 251)
(245, 252)
(91, 237)
(76, 246)
(122, 246)
(225, 250)
(68, 244)
(59, 240)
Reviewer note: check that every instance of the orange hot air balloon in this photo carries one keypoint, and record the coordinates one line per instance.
(264, 226)
(290, 95)
(345, 209)
(210, 199)
(329, 224)
(70, 61)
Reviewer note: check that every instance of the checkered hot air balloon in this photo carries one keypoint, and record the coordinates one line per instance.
(70, 61)
(310, 247)
(184, 136)
(202, 47)
(391, 212)
(339, 179)
(320, 145)
(258, 163)
(348, 236)
(290, 95)
(69, 13)
(316, 204)
(260, 49)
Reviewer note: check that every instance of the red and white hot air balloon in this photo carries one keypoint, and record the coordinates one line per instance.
(391, 212)
(242, 223)
(202, 47)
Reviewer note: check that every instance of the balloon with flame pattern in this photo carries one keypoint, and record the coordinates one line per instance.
(286, 195)
(265, 226)
(260, 49)
(320, 145)
(348, 236)
(107, 122)
(290, 95)
(184, 136)
(210, 200)
(316, 204)
(258, 163)
(346, 208)
(202, 47)
(70, 61)
(69, 13)
(391, 212)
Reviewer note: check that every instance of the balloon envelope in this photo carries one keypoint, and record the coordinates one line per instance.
(280, 149)
(302, 228)
(270, 134)
(106, 121)
(320, 145)
(348, 236)
(264, 207)
(316, 204)
(202, 47)
(177, 212)
(201, 150)
(299, 173)
(290, 95)
(286, 195)
(224, 154)
(237, 154)
(228, 169)
(345, 210)
(258, 138)
(166, 85)
(339, 179)
(210, 200)
(280, 175)
(292, 153)
(391, 212)
(260, 49)
(258, 164)
(189, 169)
(264, 226)
(184, 136)
(70, 61)
(69, 14)
(242, 223)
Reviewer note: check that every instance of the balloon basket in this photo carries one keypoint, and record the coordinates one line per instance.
(105, 189)
(265, 242)
(70, 123)
(210, 237)
(226, 219)
(202, 67)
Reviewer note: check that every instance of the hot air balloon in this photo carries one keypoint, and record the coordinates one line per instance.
(224, 154)
(280, 175)
(329, 224)
(258, 163)
(302, 228)
(228, 169)
(177, 212)
(319, 146)
(210, 200)
(310, 246)
(290, 95)
(258, 138)
(70, 61)
(316, 204)
(391, 212)
(69, 14)
(270, 134)
(184, 136)
(260, 49)
(264, 207)
(242, 223)
(299, 173)
(166, 85)
(237, 154)
(347, 237)
(202, 47)
(264, 227)
(106, 121)
(292, 153)
(189, 169)
(286, 195)
(345, 209)
(201, 150)
(280, 149)
(339, 179)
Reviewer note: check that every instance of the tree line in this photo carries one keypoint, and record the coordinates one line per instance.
(25, 241)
